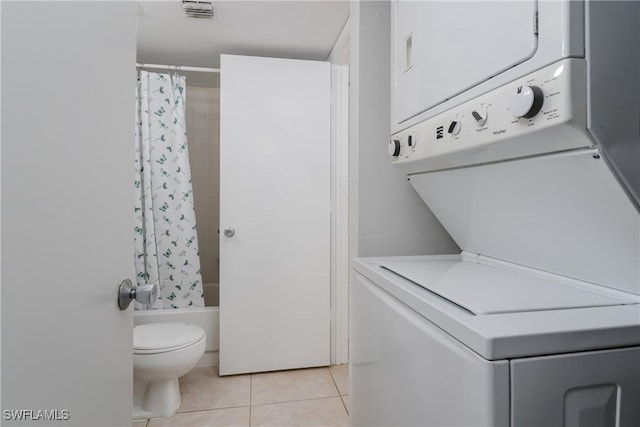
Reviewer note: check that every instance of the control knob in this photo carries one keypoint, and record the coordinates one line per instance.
(394, 147)
(454, 127)
(526, 102)
(480, 116)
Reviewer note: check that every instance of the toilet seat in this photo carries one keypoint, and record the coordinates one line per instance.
(156, 338)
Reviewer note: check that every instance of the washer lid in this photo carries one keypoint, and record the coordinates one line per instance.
(489, 289)
(166, 336)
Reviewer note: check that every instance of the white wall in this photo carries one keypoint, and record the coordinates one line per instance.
(387, 215)
(203, 134)
(383, 215)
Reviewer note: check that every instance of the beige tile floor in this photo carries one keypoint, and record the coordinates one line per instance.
(304, 397)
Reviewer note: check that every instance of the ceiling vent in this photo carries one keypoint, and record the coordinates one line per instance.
(198, 9)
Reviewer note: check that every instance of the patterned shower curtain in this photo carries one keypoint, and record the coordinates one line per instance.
(166, 243)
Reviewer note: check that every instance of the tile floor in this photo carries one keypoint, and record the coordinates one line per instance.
(304, 397)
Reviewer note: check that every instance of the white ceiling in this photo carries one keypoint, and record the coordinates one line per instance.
(284, 29)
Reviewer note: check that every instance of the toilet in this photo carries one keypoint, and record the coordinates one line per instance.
(162, 353)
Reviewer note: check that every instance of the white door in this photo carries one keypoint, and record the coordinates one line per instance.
(274, 195)
(68, 81)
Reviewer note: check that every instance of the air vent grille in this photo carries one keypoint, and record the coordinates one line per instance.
(198, 9)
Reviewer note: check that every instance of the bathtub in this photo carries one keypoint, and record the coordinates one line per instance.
(205, 317)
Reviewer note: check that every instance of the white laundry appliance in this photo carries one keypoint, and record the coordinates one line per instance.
(505, 119)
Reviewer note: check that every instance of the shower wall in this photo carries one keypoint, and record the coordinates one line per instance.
(203, 133)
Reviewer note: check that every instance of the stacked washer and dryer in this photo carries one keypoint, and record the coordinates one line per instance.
(518, 124)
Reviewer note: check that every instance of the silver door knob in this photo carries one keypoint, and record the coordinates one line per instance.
(229, 232)
(144, 294)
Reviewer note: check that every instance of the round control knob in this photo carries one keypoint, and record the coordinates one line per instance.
(527, 102)
(454, 127)
(394, 147)
(480, 116)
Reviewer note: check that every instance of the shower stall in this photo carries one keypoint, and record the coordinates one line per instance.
(178, 185)
(182, 108)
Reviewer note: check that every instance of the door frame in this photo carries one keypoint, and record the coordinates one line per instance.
(340, 261)
(339, 214)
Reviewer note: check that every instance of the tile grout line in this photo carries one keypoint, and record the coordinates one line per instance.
(297, 400)
(338, 389)
(333, 379)
(205, 409)
(344, 404)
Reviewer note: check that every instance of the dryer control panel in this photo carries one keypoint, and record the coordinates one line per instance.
(544, 112)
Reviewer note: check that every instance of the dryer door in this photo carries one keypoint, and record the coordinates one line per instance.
(442, 48)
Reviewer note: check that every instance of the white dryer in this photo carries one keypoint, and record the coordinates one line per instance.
(445, 53)
(537, 321)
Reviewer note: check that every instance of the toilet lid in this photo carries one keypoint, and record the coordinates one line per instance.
(165, 336)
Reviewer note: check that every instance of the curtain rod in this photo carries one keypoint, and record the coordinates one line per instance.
(179, 68)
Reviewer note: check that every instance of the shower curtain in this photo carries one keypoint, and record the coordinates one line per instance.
(166, 243)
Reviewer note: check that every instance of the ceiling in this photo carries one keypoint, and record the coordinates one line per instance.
(284, 29)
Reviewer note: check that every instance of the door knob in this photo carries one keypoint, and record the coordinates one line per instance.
(144, 294)
(229, 232)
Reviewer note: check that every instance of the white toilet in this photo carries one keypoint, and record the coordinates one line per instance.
(162, 353)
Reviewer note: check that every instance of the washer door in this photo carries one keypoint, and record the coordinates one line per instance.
(442, 48)
(600, 388)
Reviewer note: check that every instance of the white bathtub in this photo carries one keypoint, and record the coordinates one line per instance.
(206, 317)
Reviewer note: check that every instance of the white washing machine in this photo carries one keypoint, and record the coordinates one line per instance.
(464, 341)
(537, 321)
